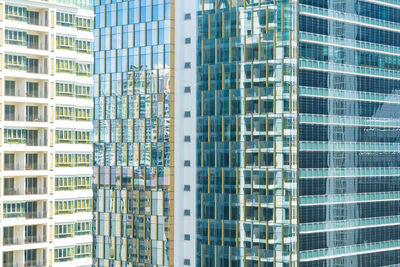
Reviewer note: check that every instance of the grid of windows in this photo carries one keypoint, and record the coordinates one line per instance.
(246, 132)
(341, 159)
(132, 129)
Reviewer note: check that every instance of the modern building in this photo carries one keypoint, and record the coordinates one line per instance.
(247, 133)
(45, 127)
(298, 116)
(144, 133)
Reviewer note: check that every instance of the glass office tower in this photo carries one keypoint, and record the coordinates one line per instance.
(134, 133)
(144, 133)
(298, 122)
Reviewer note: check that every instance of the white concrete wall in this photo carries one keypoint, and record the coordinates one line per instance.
(185, 225)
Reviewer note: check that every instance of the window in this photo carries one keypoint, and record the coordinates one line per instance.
(187, 114)
(63, 254)
(186, 188)
(33, 17)
(65, 19)
(83, 114)
(63, 230)
(83, 205)
(187, 163)
(16, 13)
(83, 251)
(83, 137)
(65, 160)
(83, 91)
(84, 69)
(73, 160)
(83, 160)
(14, 210)
(10, 88)
(187, 138)
(186, 262)
(83, 46)
(14, 37)
(64, 183)
(64, 207)
(188, 65)
(83, 182)
(186, 212)
(188, 40)
(65, 136)
(9, 161)
(83, 24)
(8, 236)
(32, 113)
(65, 66)
(65, 113)
(83, 228)
(32, 89)
(187, 237)
(65, 42)
(188, 16)
(187, 89)
(9, 187)
(14, 136)
(9, 113)
(15, 62)
(65, 89)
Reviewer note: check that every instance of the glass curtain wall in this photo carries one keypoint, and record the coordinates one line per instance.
(133, 132)
(246, 128)
(349, 102)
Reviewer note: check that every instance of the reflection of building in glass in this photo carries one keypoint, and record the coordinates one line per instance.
(298, 133)
(46, 153)
(140, 125)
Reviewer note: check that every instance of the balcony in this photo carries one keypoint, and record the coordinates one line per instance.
(35, 263)
(37, 42)
(35, 239)
(24, 64)
(32, 118)
(39, 190)
(25, 113)
(27, 167)
(13, 192)
(24, 141)
(23, 88)
(32, 17)
(36, 214)
(8, 241)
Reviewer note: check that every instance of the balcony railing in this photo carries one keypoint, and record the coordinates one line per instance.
(13, 117)
(12, 192)
(36, 191)
(35, 215)
(28, 167)
(28, 191)
(22, 93)
(11, 241)
(23, 141)
(34, 263)
(35, 239)
(37, 45)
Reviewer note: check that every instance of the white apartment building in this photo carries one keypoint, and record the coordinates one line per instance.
(45, 126)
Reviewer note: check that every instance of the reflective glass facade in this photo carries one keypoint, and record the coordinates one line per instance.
(133, 129)
(246, 126)
(298, 133)
(349, 76)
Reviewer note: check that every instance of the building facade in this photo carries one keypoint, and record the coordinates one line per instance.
(144, 197)
(246, 133)
(298, 133)
(46, 153)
